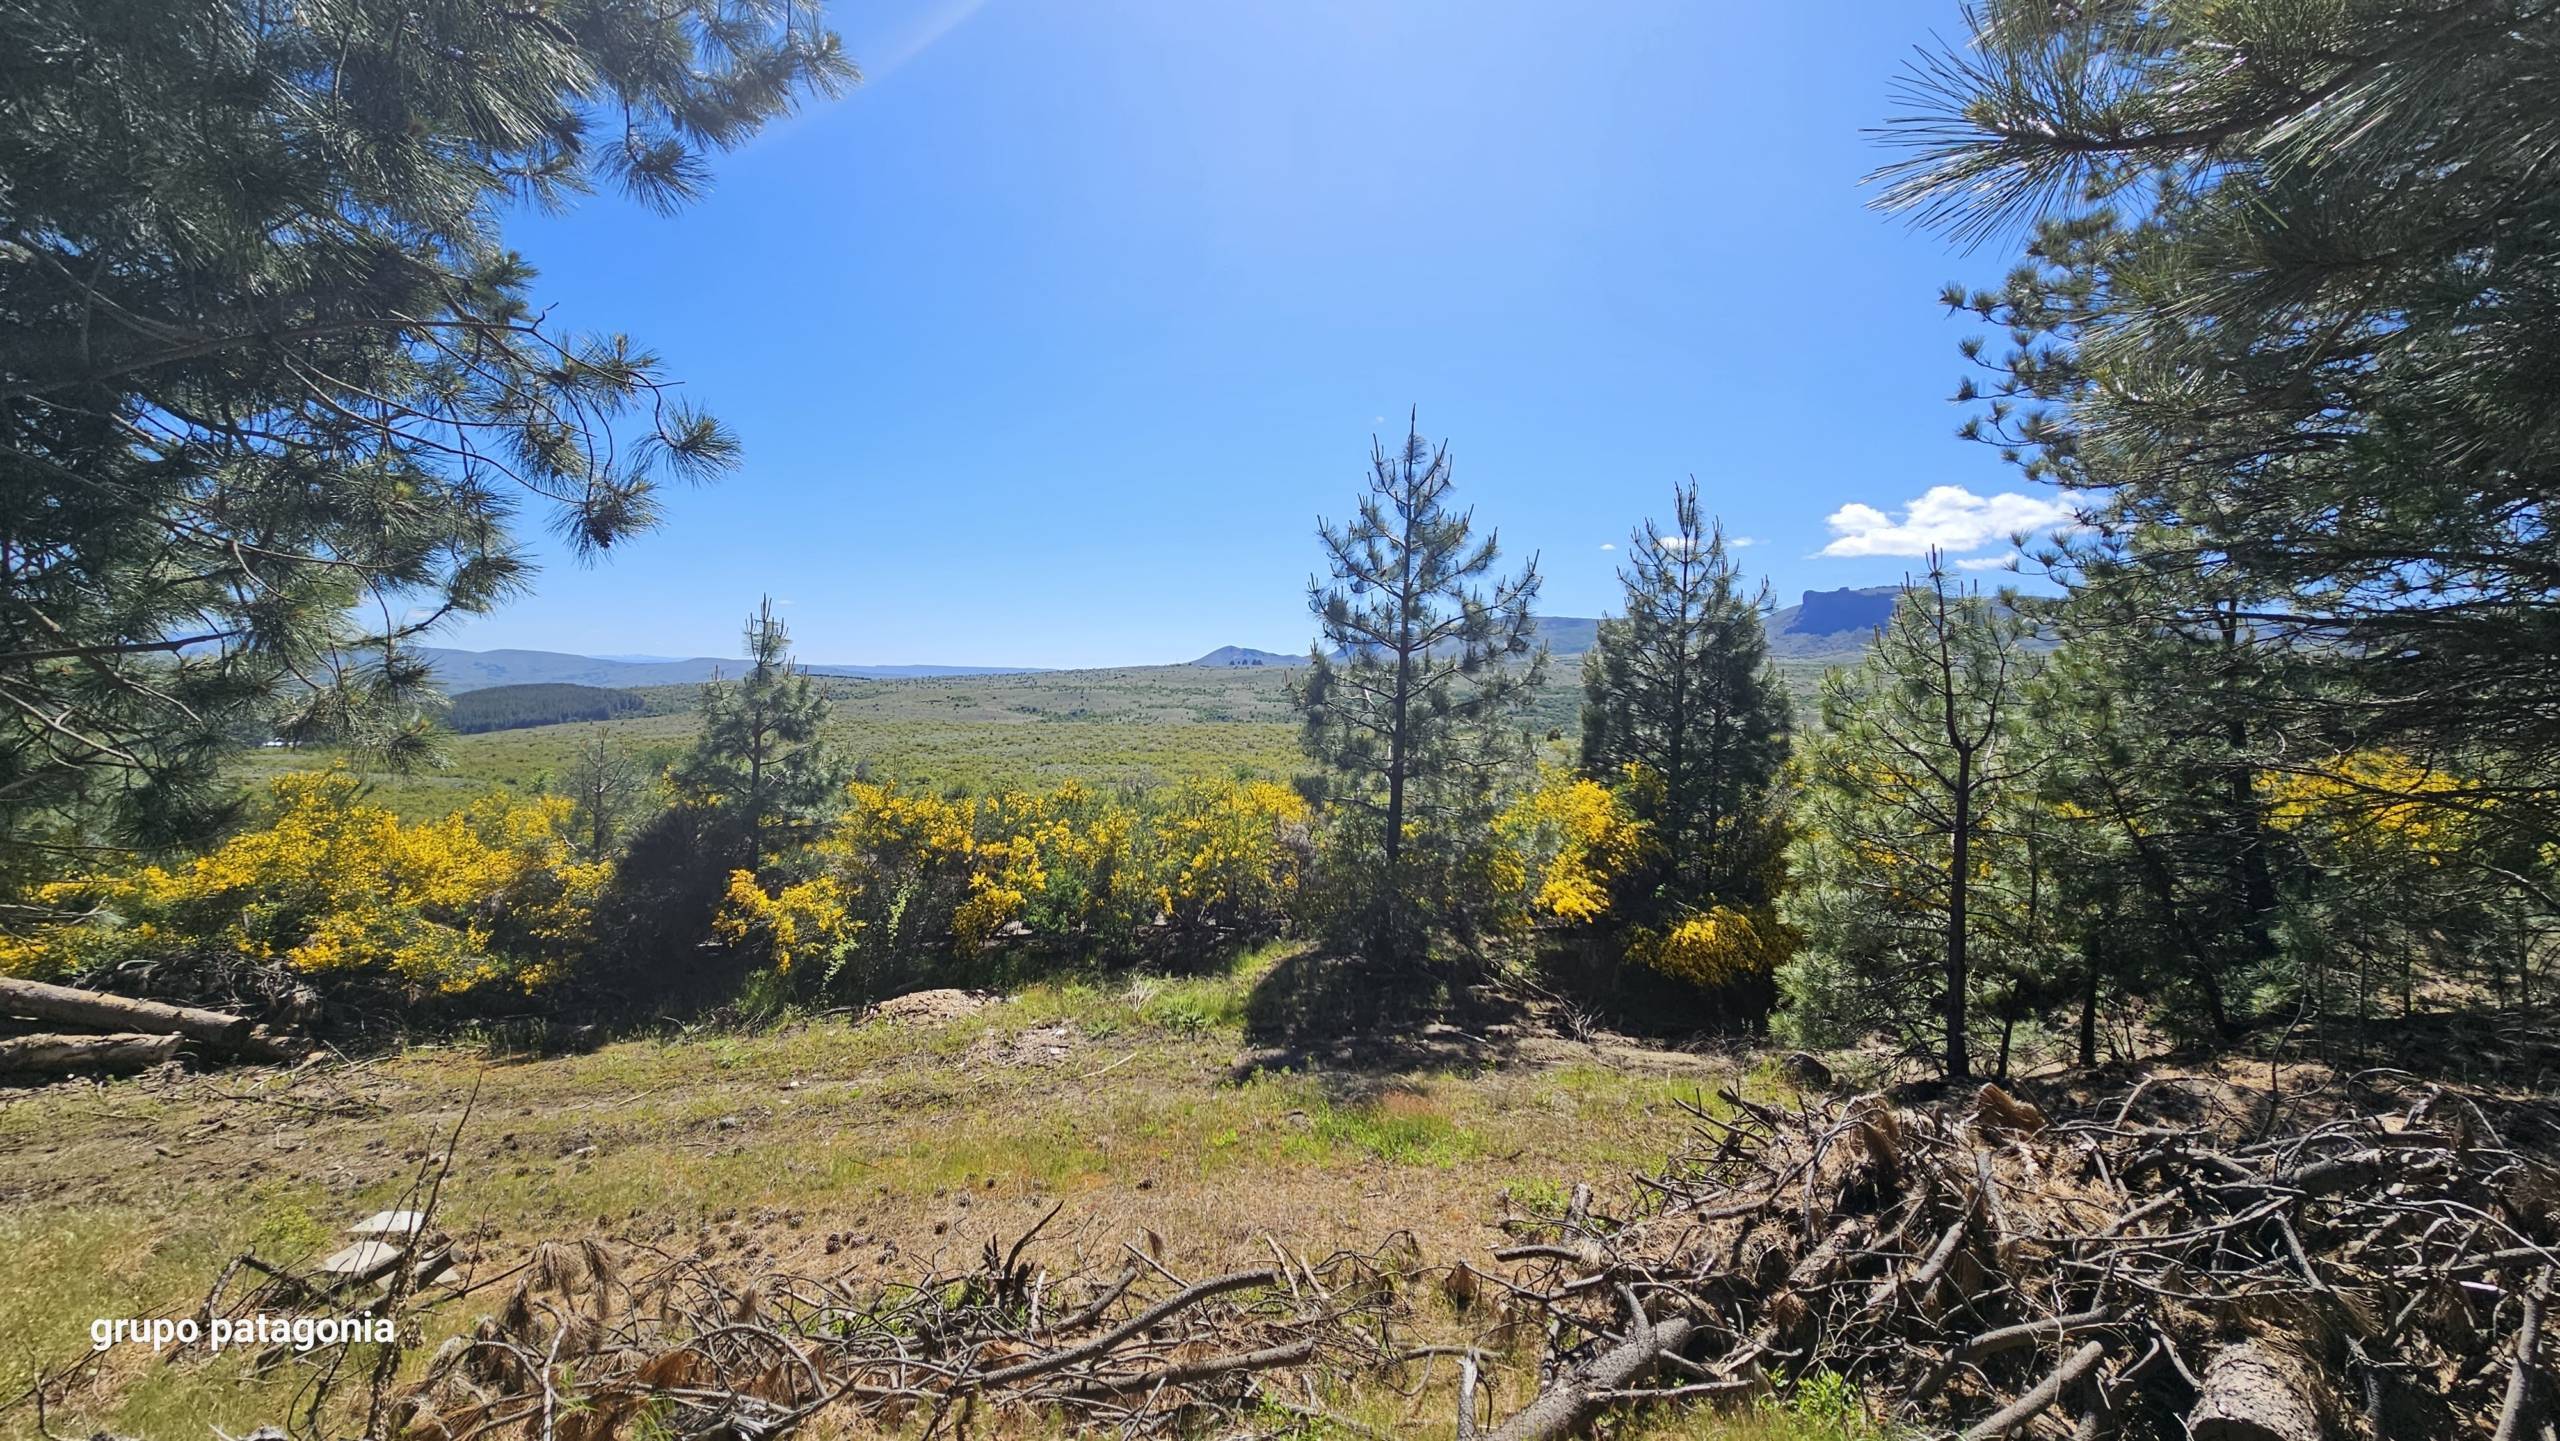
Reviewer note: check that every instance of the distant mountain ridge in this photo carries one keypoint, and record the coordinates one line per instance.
(1825, 625)
(458, 671)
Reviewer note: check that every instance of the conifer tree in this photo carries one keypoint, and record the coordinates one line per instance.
(1919, 751)
(2286, 323)
(762, 757)
(272, 386)
(1680, 687)
(1408, 696)
(606, 782)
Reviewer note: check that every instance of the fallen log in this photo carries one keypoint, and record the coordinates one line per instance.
(1561, 1409)
(2253, 1393)
(98, 1011)
(57, 1055)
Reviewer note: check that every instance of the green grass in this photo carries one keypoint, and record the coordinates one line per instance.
(128, 1199)
(1137, 726)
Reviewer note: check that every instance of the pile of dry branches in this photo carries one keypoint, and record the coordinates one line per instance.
(593, 1345)
(2125, 1275)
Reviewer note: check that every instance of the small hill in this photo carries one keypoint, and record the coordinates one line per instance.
(1246, 656)
(515, 707)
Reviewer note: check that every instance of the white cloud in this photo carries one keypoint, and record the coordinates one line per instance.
(1608, 545)
(1983, 562)
(1742, 540)
(1675, 542)
(1948, 517)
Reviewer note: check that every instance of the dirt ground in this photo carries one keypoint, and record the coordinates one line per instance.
(1153, 1113)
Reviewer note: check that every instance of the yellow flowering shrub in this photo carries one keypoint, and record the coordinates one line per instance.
(905, 879)
(795, 924)
(1563, 843)
(330, 885)
(1717, 946)
(2377, 800)
(1232, 853)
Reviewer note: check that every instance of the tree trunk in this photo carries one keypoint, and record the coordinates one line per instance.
(2089, 1010)
(98, 1011)
(49, 1055)
(2254, 1393)
(1959, 879)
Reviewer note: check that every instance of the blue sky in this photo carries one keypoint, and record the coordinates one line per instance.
(1051, 340)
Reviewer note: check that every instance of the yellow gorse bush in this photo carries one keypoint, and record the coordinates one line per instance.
(1566, 843)
(2377, 799)
(1717, 946)
(1226, 851)
(899, 866)
(797, 923)
(329, 884)
(1563, 842)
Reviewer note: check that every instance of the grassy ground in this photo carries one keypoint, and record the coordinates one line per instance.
(1136, 726)
(1143, 1107)
(1142, 726)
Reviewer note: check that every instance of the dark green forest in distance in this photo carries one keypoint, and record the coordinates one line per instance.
(514, 707)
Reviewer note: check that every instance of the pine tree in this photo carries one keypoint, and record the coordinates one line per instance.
(1681, 688)
(268, 367)
(1918, 754)
(1407, 697)
(607, 783)
(762, 757)
(2287, 326)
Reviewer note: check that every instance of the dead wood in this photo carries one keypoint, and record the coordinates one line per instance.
(96, 1010)
(60, 1055)
(2040, 1400)
(1562, 1409)
(1988, 1269)
(2253, 1392)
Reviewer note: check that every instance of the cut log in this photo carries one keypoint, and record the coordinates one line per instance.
(98, 1011)
(53, 1055)
(1561, 1409)
(2252, 1392)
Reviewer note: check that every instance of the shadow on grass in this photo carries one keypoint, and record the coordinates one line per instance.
(1353, 1024)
